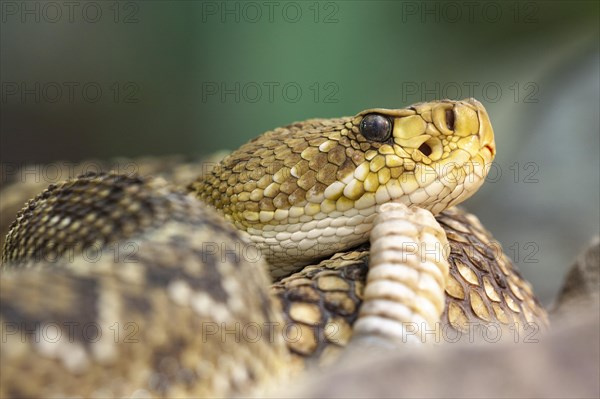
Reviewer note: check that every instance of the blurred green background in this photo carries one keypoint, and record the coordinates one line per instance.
(129, 78)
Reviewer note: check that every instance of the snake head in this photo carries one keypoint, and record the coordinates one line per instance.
(313, 188)
(431, 155)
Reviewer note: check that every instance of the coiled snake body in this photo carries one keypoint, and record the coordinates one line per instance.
(173, 301)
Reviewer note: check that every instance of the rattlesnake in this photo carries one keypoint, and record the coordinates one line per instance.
(176, 300)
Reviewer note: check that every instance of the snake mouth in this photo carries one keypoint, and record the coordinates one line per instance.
(486, 132)
(490, 148)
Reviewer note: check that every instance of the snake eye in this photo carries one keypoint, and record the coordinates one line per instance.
(376, 127)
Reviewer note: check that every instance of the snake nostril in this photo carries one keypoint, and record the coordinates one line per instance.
(450, 119)
(425, 149)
